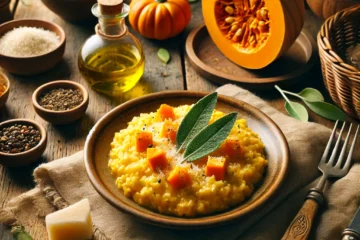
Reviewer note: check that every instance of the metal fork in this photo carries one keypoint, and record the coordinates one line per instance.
(301, 225)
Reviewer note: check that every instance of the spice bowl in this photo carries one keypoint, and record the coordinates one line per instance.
(27, 66)
(57, 97)
(25, 138)
(4, 89)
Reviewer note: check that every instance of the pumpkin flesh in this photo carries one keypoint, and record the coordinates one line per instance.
(264, 29)
(246, 25)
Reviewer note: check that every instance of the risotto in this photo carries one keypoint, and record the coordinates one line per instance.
(149, 169)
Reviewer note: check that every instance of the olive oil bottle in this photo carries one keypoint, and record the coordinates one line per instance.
(111, 61)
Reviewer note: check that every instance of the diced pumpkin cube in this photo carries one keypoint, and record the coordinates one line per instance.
(166, 112)
(232, 148)
(143, 141)
(179, 178)
(216, 166)
(156, 158)
(168, 131)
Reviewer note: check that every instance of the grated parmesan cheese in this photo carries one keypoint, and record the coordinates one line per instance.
(28, 42)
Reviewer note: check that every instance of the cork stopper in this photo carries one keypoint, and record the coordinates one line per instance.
(110, 7)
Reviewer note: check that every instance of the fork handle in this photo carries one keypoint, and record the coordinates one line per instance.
(300, 227)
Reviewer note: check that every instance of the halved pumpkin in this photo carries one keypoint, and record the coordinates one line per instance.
(253, 33)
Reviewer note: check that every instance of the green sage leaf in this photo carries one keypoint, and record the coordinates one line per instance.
(210, 138)
(192, 1)
(311, 95)
(19, 233)
(326, 110)
(297, 111)
(164, 55)
(195, 120)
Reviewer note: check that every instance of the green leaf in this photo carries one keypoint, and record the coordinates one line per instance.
(195, 120)
(210, 138)
(192, 1)
(326, 110)
(297, 111)
(19, 233)
(311, 95)
(164, 55)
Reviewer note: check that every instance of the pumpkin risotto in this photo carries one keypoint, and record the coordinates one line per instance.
(149, 170)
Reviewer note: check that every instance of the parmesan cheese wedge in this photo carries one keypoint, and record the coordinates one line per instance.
(71, 223)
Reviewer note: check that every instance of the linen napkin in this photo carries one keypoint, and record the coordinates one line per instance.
(64, 181)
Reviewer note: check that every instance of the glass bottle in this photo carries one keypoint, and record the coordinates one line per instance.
(112, 61)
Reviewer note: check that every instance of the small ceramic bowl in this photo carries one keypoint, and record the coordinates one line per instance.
(4, 96)
(60, 117)
(27, 157)
(33, 65)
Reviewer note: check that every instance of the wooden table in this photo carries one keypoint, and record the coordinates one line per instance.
(66, 140)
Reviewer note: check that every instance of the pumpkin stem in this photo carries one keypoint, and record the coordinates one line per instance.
(160, 1)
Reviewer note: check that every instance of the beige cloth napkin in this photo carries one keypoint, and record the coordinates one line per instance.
(64, 181)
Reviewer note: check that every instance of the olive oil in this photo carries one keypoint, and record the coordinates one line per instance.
(113, 69)
(112, 60)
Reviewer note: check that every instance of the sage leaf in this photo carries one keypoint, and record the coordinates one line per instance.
(19, 233)
(311, 95)
(192, 1)
(326, 110)
(297, 111)
(210, 138)
(163, 55)
(195, 120)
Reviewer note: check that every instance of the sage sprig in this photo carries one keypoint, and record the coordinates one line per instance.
(196, 136)
(210, 138)
(195, 120)
(315, 101)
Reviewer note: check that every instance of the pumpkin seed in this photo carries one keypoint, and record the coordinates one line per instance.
(262, 26)
(234, 28)
(229, 10)
(264, 14)
(229, 19)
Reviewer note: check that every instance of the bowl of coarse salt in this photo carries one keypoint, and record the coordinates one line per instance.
(30, 46)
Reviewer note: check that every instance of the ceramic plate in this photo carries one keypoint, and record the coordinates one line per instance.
(97, 148)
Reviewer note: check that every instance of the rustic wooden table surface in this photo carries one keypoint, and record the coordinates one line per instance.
(66, 140)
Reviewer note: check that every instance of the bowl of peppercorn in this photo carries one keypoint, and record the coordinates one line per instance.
(22, 142)
(60, 102)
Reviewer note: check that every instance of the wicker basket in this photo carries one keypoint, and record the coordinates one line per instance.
(342, 80)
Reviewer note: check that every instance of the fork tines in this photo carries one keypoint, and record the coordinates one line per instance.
(339, 164)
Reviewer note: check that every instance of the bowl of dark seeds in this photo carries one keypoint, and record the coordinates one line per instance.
(60, 102)
(22, 142)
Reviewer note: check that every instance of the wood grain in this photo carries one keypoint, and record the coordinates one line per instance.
(300, 227)
(66, 140)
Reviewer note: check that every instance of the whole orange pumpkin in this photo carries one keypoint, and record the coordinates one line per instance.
(327, 8)
(159, 19)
